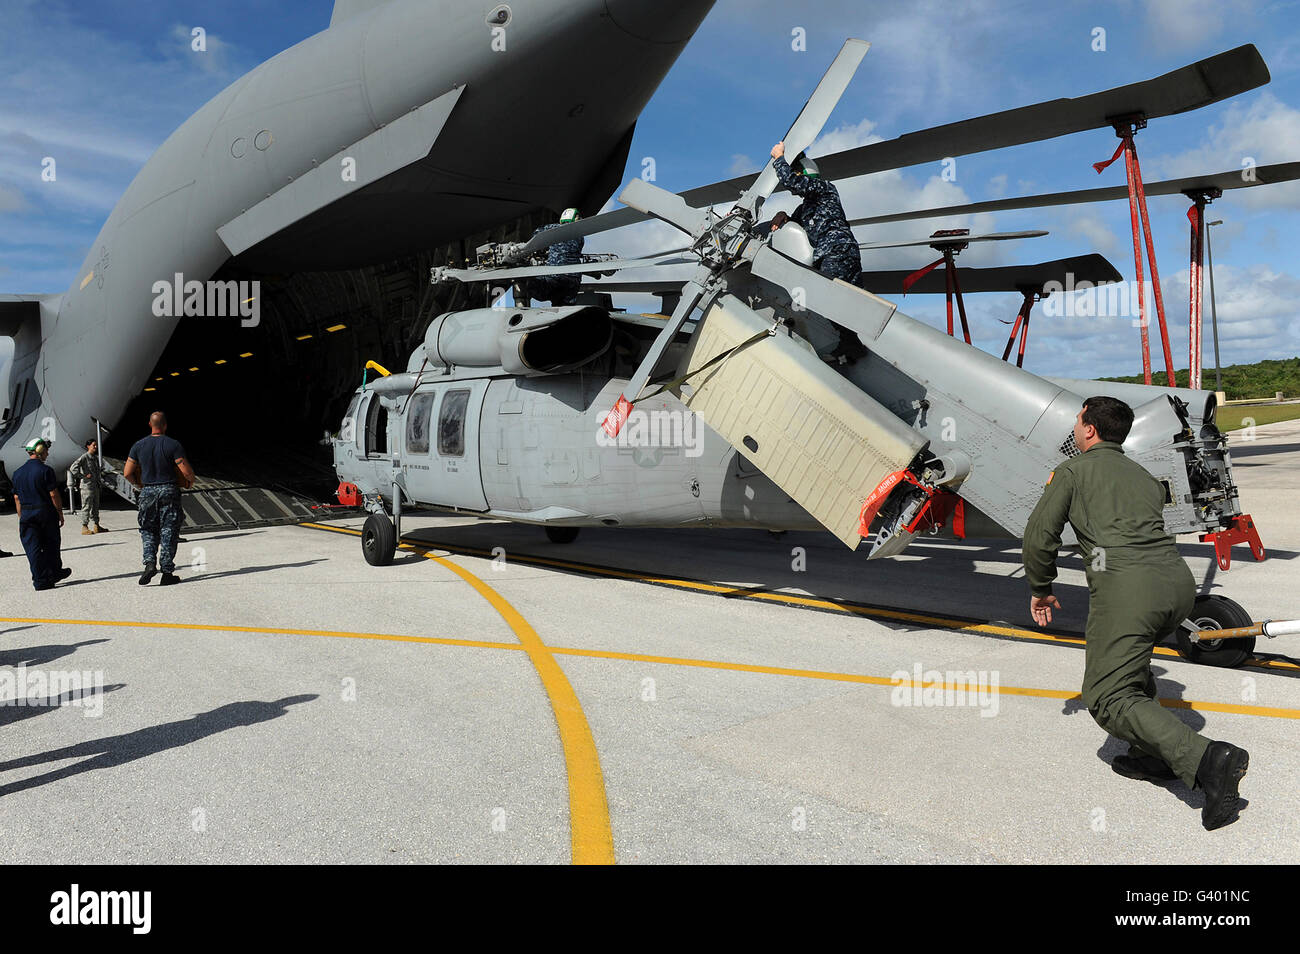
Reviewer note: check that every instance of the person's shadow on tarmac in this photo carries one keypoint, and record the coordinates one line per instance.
(119, 749)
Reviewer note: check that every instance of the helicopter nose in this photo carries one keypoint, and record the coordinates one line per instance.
(658, 21)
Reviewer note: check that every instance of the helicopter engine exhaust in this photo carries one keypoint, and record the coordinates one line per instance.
(524, 341)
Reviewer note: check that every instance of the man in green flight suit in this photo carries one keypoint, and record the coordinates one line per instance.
(1139, 590)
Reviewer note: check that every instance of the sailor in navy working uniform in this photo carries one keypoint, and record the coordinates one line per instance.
(557, 289)
(821, 214)
(40, 515)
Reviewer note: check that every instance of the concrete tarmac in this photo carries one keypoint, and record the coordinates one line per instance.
(638, 696)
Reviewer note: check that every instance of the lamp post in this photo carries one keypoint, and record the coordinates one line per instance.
(1214, 318)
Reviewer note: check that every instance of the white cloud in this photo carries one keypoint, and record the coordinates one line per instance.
(1264, 131)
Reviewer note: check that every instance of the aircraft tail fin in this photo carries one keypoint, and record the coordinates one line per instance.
(347, 9)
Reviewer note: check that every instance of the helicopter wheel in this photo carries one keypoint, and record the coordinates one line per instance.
(1216, 612)
(378, 540)
(562, 534)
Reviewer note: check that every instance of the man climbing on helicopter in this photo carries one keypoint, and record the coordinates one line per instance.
(821, 214)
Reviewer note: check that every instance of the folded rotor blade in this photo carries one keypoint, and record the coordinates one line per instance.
(692, 292)
(604, 222)
(845, 304)
(1094, 269)
(664, 205)
(1233, 179)
(808, 126)
(957, 239)
(536, 271)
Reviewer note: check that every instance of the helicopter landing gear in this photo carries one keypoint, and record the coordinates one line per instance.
(1216, 612)
(562, 534)
(378, 540)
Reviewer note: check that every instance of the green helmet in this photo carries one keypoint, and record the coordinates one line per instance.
(35, 444)
(806, 166)
(569, 215)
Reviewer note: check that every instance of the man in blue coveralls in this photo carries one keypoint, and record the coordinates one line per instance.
(40, 515)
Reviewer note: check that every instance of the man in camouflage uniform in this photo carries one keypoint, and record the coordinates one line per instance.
(1139, 590)
(821, 214)
(557, 289)
(87, 471)
(157, 466)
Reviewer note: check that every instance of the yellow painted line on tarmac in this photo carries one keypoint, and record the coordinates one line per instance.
(591, 837)
(809, 602)
(1271, 712)
(262, 630)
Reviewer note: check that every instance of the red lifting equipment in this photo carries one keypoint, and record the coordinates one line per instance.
(948, 250)
(1196, 215)
(1125, 127)
(1241, 530)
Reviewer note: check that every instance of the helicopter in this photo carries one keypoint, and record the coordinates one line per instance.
(725, 413)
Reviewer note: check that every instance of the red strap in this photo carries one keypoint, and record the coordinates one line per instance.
(1101, 166)
(915, 277)
(617, 416)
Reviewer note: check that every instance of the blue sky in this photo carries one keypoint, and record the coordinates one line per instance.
(100, 86)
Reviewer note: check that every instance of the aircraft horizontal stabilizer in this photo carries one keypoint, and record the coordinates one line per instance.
(814, 433)
(386, 150)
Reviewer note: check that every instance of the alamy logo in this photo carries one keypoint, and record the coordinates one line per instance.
(934, 689)
(103, 907)
(21, 686)
(194, 299)
(658, 430)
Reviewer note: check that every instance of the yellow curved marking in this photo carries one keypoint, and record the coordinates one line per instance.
(590, 835)
(591, 838)
(376, 366)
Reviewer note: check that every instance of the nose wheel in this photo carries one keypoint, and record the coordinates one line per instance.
(378, 540)
(562, 534)
(1216, 612)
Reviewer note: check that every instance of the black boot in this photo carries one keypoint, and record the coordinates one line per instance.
(1146, 768)
(1221, 770)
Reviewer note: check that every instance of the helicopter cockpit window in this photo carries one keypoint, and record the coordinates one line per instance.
(417, 423)
(451, 424)
(376, 428)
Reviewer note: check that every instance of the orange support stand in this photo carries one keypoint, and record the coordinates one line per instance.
(1141, 222)
(1196, 216)
(1241, 530)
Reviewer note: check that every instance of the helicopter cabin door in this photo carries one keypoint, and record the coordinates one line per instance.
(441, 445)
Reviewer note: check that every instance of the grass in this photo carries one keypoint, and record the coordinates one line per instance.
(1232, 418)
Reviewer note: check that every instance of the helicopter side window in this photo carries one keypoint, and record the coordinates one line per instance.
(377, 428)
(451, 424)
(417, 424)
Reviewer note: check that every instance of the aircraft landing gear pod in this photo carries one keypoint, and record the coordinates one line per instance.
(1221, 633)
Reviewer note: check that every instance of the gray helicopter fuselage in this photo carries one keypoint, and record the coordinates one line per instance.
(532, 450)
(497, 124)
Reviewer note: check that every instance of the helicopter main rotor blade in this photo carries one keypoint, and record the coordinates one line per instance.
(856, 309)
(1232, 179)
(808, 126)
(1190, 87)
(664, 205)
(957, 239)
(691, 293)
(536, 271)
(1093, 269)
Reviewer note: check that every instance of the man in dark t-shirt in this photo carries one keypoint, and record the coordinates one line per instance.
(40, 515)
(158, 468)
